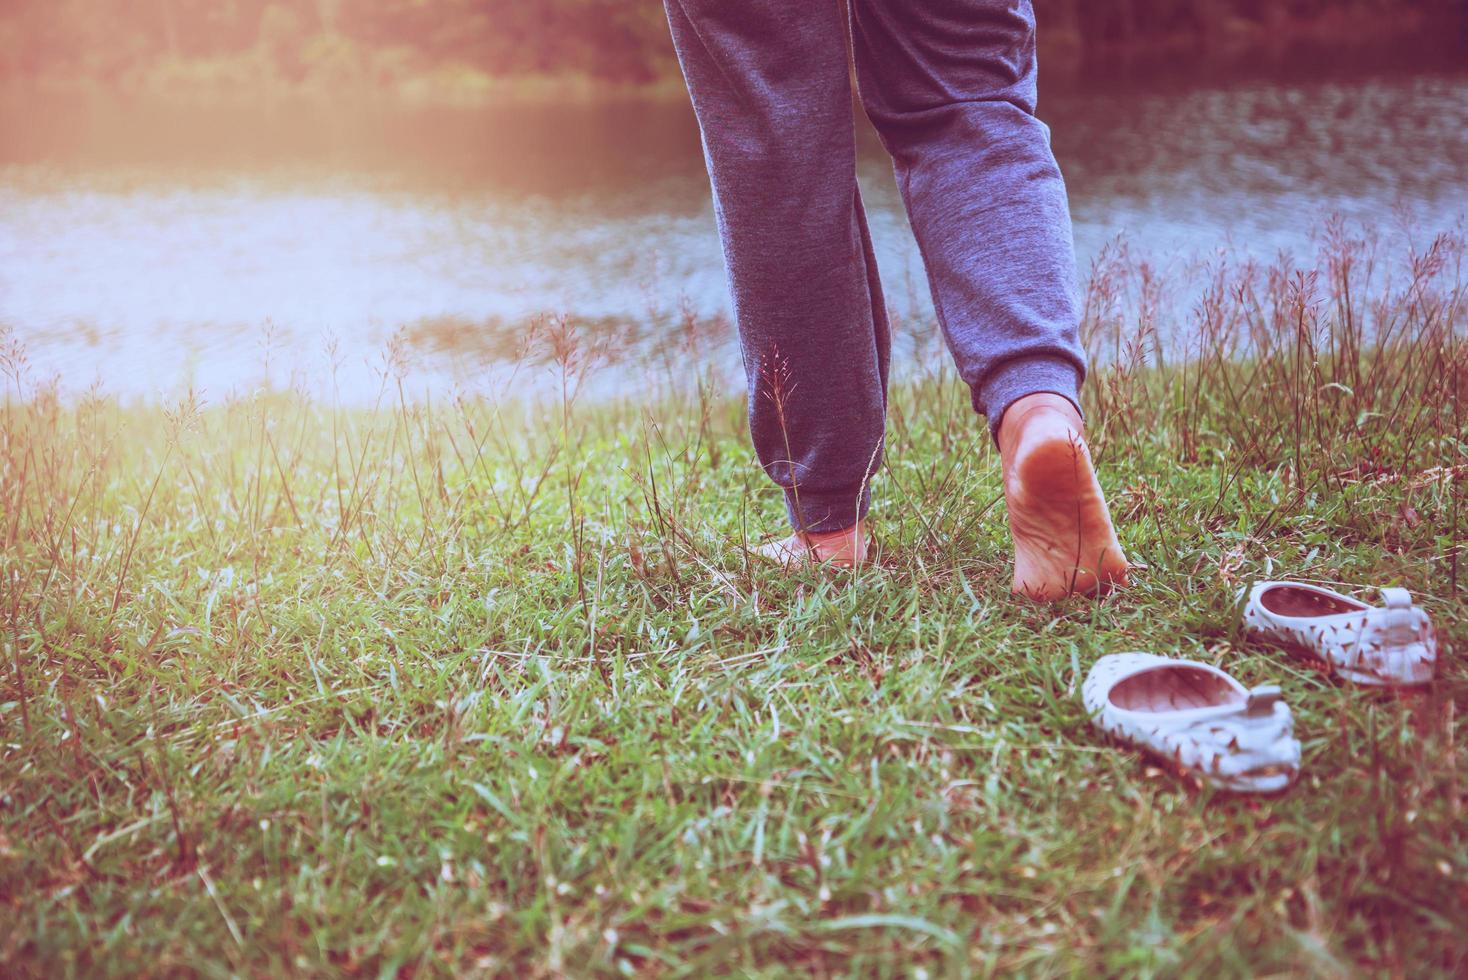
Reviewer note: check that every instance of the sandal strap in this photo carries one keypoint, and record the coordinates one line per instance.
(1396, 598)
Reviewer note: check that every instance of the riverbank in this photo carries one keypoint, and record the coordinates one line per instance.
(477, 685)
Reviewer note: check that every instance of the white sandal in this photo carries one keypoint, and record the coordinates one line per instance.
(1381, 645)
(1198, 718)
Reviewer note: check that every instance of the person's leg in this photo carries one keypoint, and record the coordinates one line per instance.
(769, 84)
(951, 87)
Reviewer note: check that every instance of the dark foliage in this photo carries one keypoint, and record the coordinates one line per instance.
(387, 42)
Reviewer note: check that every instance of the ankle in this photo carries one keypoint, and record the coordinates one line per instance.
(847, 541)
(1040, 409)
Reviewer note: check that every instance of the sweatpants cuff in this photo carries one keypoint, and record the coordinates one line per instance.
(1021, 376)
(831, 511)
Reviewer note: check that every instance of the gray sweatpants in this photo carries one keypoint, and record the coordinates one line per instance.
(950, 87)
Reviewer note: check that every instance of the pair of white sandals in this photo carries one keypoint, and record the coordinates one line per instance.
(1209, 725)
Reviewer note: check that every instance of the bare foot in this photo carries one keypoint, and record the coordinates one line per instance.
(1063, 539)
(845, 548)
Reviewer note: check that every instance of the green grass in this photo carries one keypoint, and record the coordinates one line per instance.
(479, 687)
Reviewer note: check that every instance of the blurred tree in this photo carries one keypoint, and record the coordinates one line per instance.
(612, 40)
(282, 35)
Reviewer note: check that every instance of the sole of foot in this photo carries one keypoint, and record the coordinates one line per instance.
(1064, 542)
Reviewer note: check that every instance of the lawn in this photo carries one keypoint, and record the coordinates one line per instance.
(476, 686)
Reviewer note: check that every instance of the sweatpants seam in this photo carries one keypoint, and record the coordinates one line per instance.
(917, 236)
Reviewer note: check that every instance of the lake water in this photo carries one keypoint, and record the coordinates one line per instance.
(147, 247)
